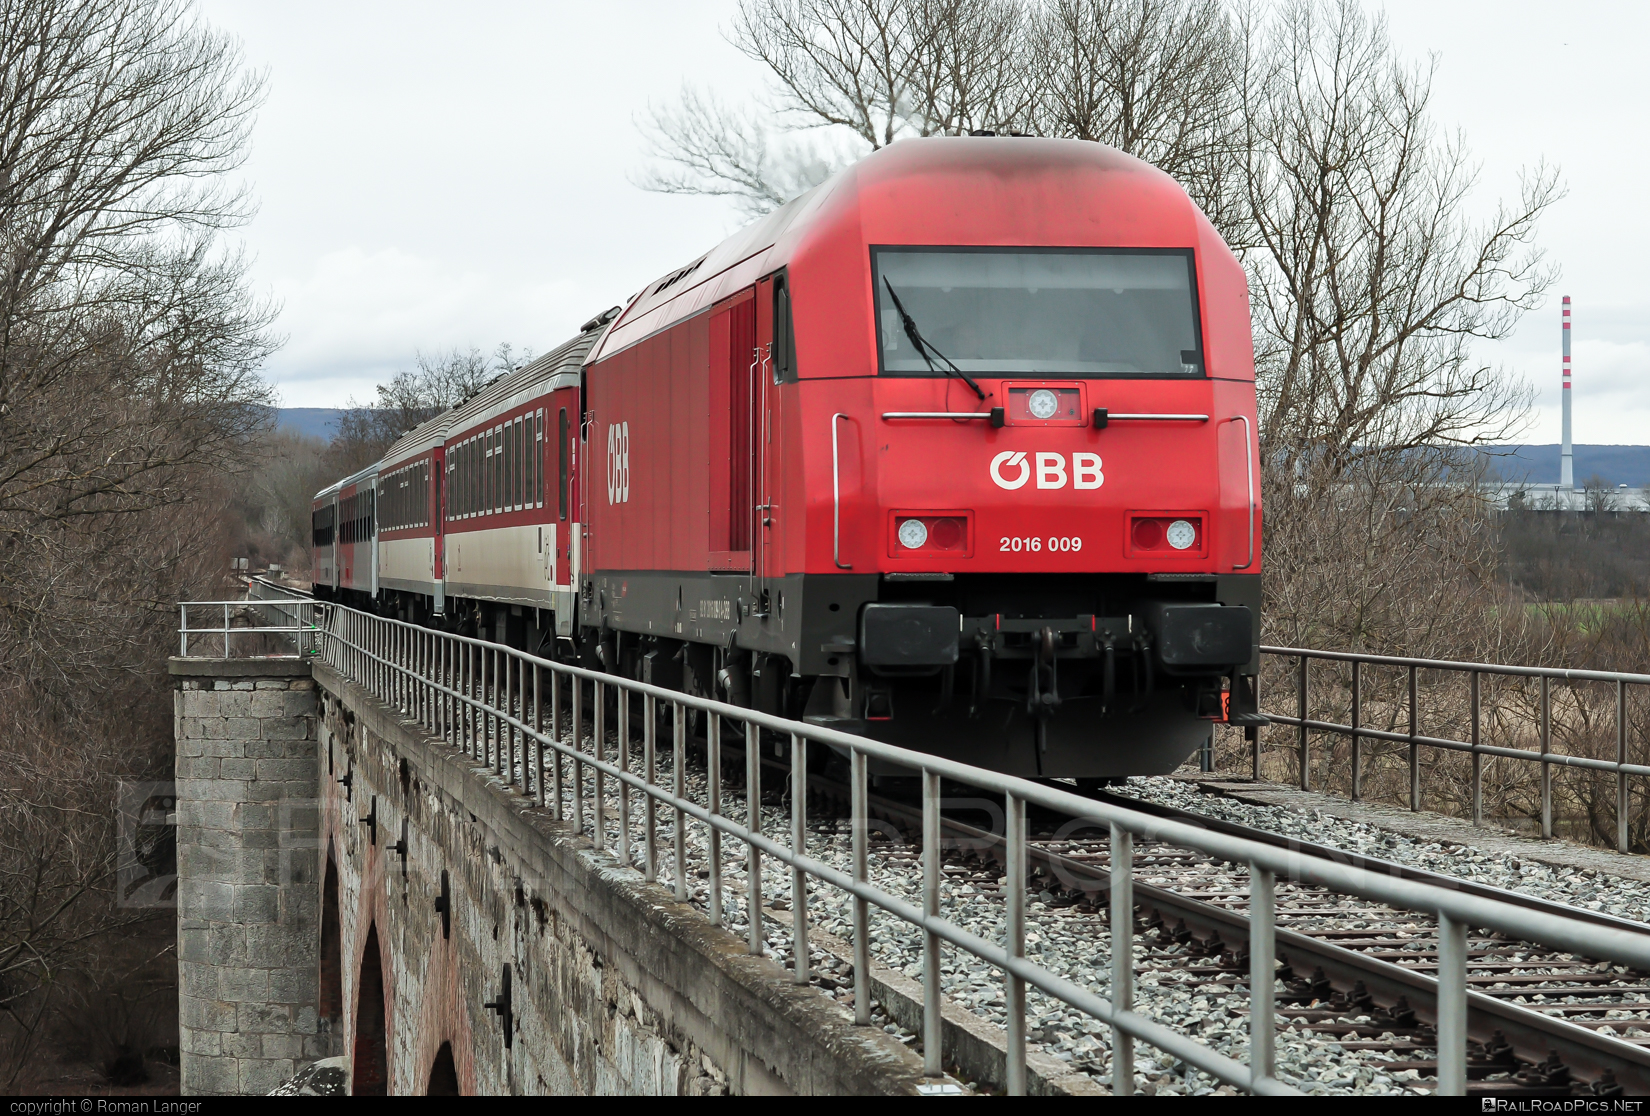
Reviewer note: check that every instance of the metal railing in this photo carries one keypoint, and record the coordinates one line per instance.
(506, 709)
(292, 619)
(1412, 736)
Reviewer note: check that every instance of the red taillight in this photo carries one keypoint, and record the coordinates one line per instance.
(947, 534)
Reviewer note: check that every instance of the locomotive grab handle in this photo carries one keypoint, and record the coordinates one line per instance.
(1113, 416)
(1249, 467)
(836, 500)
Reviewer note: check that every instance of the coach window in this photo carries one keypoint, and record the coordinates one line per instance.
(509, 466)
(516, 463)
(524, 430)
(562, 448)
(538, 458)
(496, 477)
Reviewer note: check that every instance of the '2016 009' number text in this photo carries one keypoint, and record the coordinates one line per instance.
(1036, 544)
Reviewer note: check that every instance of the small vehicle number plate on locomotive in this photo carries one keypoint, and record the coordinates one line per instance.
(1034, 544)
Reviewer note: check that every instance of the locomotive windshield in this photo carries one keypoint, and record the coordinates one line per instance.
(1047, 312)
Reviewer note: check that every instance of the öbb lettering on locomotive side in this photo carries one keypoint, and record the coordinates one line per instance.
(957, 451)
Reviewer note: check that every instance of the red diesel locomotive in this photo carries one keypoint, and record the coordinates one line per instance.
(955, 451)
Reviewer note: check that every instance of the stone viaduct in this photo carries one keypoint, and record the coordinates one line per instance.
(349, 886)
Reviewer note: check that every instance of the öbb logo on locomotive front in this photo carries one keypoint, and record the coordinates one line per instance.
(1051, 470)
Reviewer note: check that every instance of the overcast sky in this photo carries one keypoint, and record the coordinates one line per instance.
(440, 175)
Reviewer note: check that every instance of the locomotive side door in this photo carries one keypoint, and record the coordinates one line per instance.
(767, 547)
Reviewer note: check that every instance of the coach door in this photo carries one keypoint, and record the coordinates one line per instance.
(438, 541)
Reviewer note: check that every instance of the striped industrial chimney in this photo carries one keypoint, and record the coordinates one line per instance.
(1566, 460)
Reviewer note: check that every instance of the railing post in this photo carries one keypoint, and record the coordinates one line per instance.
(555, 734)
(650, 773)
(1477, 757)
(932, 1063)
(1452, 1007)
(578, 750)
(799, 845)
(624, 769)
(1621, 757)
(538, 734)
(860, 812)
(1414, 749)
(598, 751)
(1306, 765)
(1262, 972)
(1122, 957)
(713, 794)
(1014, 821)
(1357, 733)
(753, 822)
(679, 786)
(183, 630)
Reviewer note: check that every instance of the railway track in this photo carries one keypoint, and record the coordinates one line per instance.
(1352, 972)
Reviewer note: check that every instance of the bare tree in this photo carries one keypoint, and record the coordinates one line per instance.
(129, 356)
(1369, 282)
(1154, 78)
(1369, 279)
(413, 396)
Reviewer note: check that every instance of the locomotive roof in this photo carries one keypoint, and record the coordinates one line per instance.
(963, 190)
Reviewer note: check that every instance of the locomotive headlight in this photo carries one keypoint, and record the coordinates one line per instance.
(1181, 534)
(913, 533)
(1043, 403)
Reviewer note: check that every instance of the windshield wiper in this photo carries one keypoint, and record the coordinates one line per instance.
(924, 348)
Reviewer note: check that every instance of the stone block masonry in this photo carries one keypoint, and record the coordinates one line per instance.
(317, 829)
(248, 886)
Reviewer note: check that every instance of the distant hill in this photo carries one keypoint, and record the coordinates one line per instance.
(1629, 465)
(311, 422)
